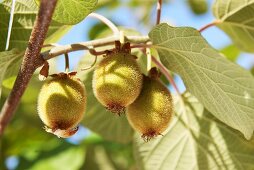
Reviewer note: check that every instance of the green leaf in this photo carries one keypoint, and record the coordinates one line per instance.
(97, 118)
(64, 157)
(71, 12)
(224, 88)
(108, 155)
(237, 21)
(24, 17)
(252, 71)
(8, 64)
(231, 52)
(194, 140)
(9, 82)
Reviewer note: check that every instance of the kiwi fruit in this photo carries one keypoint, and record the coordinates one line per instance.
(61, 104)
(117, 80)
(198, 6)
(152, 111)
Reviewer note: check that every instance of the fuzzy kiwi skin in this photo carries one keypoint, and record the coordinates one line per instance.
(152, 111)
(117, 81)
(61, 104)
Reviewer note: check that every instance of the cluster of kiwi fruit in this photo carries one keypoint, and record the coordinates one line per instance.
(119, 86)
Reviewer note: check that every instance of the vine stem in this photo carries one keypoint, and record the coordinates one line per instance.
(159, 6)
(106, 21)
(59, 50)
(209, 25)
(165, 71)
(31, 61)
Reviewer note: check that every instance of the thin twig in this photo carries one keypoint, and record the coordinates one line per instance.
(209, 25)
(106, 21)
(50, 45)
(159, 6)
(10, 24)
(164, 71)
(31, 61)
(59, 50)
(141, 46)
(67, 65)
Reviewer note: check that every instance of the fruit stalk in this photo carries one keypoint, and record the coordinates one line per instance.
(214, 23)
(67, 65)
(32, 60)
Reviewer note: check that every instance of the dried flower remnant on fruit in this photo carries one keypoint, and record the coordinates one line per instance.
(62, 103)
(117, 79)
(62, 133)
(152, 111)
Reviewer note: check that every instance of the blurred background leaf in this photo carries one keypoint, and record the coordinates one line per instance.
(231, 52)
(9, 61)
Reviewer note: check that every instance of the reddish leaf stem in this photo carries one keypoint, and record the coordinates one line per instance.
(165, 71)
(31, 61)
(209, 25)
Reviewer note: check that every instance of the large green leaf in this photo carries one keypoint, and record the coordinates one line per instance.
(225, 89)
(8, 66)
(97, 118)
(237, 21)
(195, 140)
(73, 11)
(24, 17)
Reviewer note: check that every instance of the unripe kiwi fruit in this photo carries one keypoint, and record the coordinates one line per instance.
(198, 6)
(152, 111)
(117, 81)
(61, 104)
